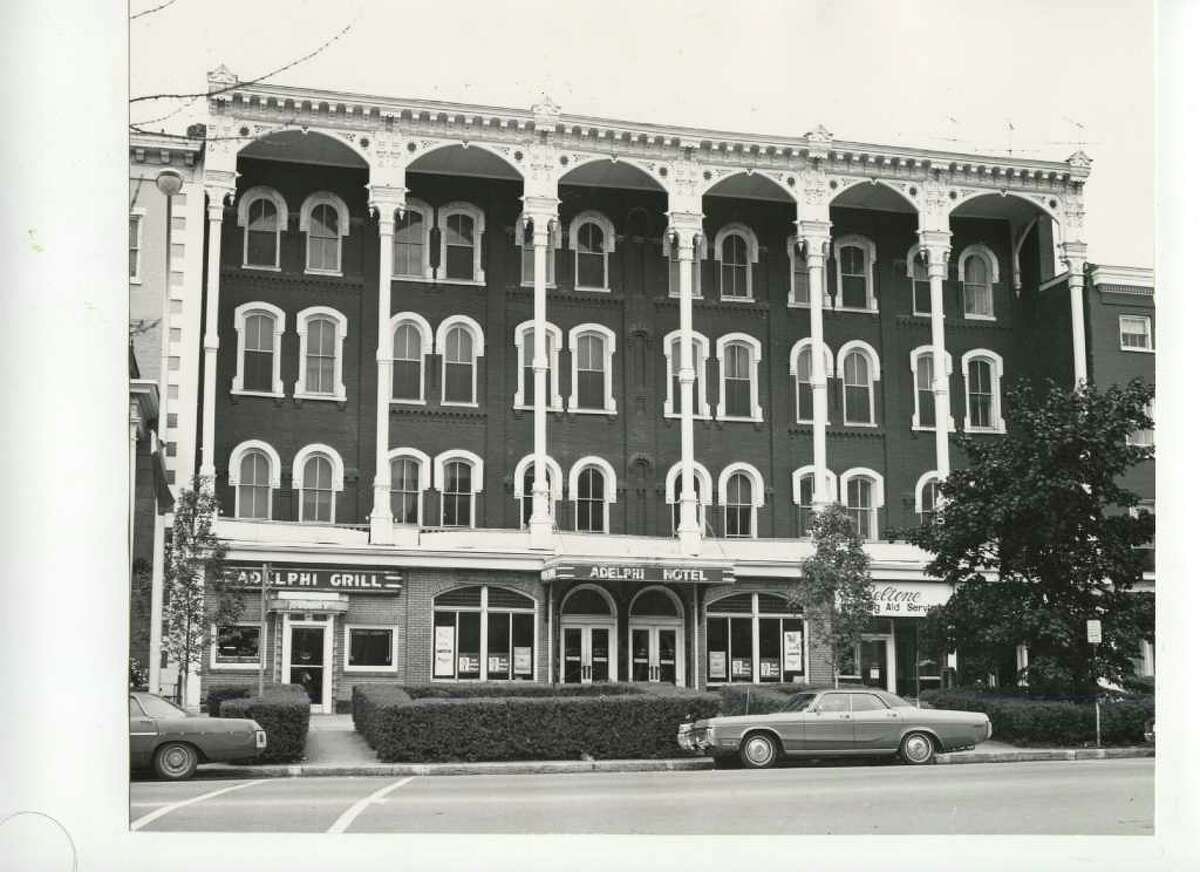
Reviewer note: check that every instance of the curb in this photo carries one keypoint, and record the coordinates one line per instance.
(1042, 755)
(531, 767)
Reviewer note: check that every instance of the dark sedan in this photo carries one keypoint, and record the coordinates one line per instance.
(167, 739)
(836, 723)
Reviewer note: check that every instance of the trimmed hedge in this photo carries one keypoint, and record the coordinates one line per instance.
(539, 726)
(218, 695)
(493, 689)
(1022, 720)
(283, 712)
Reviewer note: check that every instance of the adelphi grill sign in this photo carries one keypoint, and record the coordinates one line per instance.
(343, 579)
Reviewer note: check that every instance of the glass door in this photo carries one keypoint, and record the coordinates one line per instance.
(874, 663)
(664, 667)
(307, 666)
(639, 649)
(572, 656)
(654, 654)
(598, 665)
(586, 654)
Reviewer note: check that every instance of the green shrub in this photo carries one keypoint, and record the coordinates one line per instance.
(1031, 721)
(218, 695)
(366, 700)
(752, 700)
(491, 689)
(283, 712)
(542, 726)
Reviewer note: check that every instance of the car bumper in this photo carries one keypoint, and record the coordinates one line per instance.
(697, 741)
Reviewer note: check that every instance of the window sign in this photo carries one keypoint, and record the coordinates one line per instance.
(497, 663)
(741, 667)
(523, 660)
(468, 663)
(793, 650)
(443, 652)
(716, 665)
(769, 669)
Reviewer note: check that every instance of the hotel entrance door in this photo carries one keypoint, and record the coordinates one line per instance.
(587, 654)
(655, 654)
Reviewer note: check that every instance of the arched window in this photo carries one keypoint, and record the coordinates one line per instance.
(674, 489)
(927, 495)
(798, 290)
(754, 637)
(412, 339)
(592, 348)
(740, 490)
(483, 633)
(855, 257)
(259, 330)
(322, 331)
(410, 480)
(862, 495)
(461, 226)
(982, 370)
(317, 473)
(978, 269)
(918, 274)
(858, 368)
(591, 509)
(804, 495)
(410, 242)
(737, 248)
(738, 355)
(592, 239)
(523, 485)
(524, 239)
(671, 252)
(460, 343)
(924, 407)
(254, 471)
(325, 218)
(672, 348)
(263, 215)
(800, 365)
(523, 336)
(458, 476)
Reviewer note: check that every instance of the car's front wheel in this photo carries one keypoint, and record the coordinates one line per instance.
(759, 751)
(175, 761)
(917, 749)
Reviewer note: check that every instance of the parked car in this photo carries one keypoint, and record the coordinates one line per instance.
(167, 739)
(841, 722)
(1148, 731)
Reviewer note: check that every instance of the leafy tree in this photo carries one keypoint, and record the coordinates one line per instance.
(139, 610)
(197, 594)
(835, 588)
(1037, 535)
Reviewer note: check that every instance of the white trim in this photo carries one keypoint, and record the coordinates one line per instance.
(412, 204)
(699, 254)
(754, 615)
(239, 325)
(311, 202)
(699, 363)
(925, 478)
(877, 493)
(233, 475)
(1129, 276)
(706, 483)
(341, 325)
(748, 236)
(868, 247)
(235, 667)
(395, 631)
(858, 345)
(461, 207)
(483, 609)
(553, 352)
(997, 372)
(337, 485)
(138, 213)
(654, 624)
(1149, 321)
(755, 358)
(554, 243)
(327, 665)
(911, 262)
(794, 371)
(913, 357)
(553, 474)
(798, 475)
(248, 199)
(605, 595)
(610, 345)
(992, 265)
(592, 216)
(610, 486)
(426, 333)
(757, 492)
(475, 461)
(423, 480)
(477, 348)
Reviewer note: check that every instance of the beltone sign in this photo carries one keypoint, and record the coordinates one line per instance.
(345, 579)
(894, 599)
(639, 572)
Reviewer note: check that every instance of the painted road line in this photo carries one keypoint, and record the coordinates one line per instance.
(167, 809)
(348, 816)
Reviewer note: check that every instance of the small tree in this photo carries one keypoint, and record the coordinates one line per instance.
(1037, 535)
(197, 594)
(835, 590)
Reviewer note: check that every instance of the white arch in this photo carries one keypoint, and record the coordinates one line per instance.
(606, 469)
(325, 198)
(932, 475)
(757, 488)
(414, 204)
(605, 595)
(865, 348)
(418, 321)
(895, 187)
(798, 475)
(422, 459)
(910, 260)
(922, 350)
(856, 240)
(671, 595)
(755, 358)
(610, 347)
(802, 345)
(445, 213)
(750, 171)
(736, 228)
(592, 216)
(706, 486)
(997, 372)
(967, 195)
(302, 456)
(239, 325)
(349, 141)
(475, 461)
(987, 254)
(261, 192)
(341, 325)
(553, 473)
(864, 472)
(459, 320)
(482, 146)
(275, 468)
(567, 170)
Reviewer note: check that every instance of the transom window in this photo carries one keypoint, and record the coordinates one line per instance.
(1136, 333)
(483, 633)
(316, 493)
(406, 490)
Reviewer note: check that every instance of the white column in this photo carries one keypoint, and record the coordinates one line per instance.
(935, 246)
(135, 421)
(1074, 254)
(815, 235)
(686, 228)
(156, 600)
(387, 202)
(216, 209)
(541, 212)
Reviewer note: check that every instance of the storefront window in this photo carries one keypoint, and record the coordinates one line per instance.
(370, 648)
(736, 623)
(238, 644)
(483, 633)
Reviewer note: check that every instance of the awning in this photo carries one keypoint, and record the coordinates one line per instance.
(328, 606)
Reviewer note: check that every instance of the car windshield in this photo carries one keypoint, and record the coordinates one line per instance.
(892, 700)
(799, 702)
(157, 707)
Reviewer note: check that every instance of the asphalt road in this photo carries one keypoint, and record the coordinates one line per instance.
(1052, 798)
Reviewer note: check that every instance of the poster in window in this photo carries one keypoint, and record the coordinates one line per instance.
(716, 664)
(497, 663)
(522, 660)
(741, 667)
(793, 650)
(443, 652)
(768, 668)
(468, 663)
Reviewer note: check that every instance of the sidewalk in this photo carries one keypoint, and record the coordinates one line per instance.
(334, 748)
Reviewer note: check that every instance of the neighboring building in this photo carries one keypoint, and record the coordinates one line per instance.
(381, 443)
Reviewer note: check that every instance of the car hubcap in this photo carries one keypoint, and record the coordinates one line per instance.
(175, 760)
(917, 748)
(759, 751)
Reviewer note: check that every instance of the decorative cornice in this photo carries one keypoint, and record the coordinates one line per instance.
(1128, 276)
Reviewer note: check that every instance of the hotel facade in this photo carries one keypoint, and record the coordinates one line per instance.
(511, 395)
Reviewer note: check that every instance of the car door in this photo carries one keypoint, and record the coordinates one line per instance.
(876, 727)
(828, 726)
(142, 735)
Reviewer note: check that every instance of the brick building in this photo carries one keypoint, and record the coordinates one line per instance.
(521, 395)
